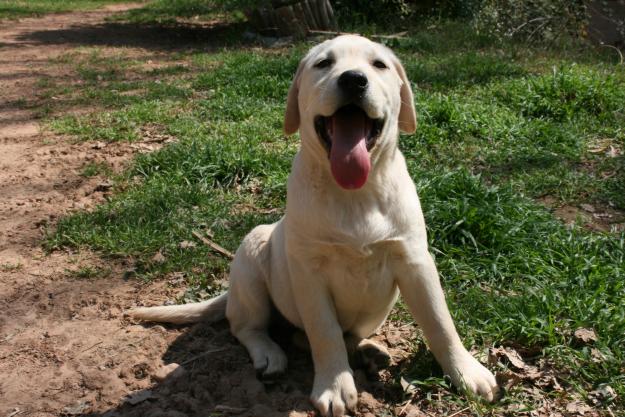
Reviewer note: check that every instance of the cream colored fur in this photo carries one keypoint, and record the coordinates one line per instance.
(338, 259)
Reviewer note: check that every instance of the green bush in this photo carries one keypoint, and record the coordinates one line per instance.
(533, 20)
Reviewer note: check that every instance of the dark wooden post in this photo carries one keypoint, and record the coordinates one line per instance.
(292, 17)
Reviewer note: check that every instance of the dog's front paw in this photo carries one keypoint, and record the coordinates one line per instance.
(468, 375)
(334, 395)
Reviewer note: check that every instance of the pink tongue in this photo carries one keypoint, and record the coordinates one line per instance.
(349, 158)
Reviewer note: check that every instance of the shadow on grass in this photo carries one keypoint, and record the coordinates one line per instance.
(526, 163)
(152, 37)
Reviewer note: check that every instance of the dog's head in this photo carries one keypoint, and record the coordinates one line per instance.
(349, 98)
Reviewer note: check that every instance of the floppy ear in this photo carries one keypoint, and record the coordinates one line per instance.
(407, 113)
(291, 116)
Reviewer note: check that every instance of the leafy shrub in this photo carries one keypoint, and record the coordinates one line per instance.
(533, 19)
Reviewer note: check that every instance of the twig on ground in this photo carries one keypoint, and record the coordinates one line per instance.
(403, 410)
(398, 35)
(458, 412)
(92, 346)
(218, 248)
(201, 355)
(228, 409)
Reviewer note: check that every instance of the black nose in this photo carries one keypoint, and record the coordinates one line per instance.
(353, 83)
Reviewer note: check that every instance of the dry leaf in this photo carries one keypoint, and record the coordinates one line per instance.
(596, 355)
(508, 379)
(588, 207)
(77, 409)
(578, 407)
(507, 356)
(159, 258)
(585, 336)
(603, 394)
(185, 244)
(613, 152)
(103, 186)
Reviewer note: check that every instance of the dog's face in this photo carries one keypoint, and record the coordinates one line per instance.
(349, 98)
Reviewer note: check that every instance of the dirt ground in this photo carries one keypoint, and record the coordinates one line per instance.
(65, 346)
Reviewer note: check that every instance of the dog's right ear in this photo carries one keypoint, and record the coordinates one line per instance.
(291, 116)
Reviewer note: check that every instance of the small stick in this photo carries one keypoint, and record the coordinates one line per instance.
(399, 35)
(92, 346)
(225, 252)
(458, 412)
(228, 409)
(403, 410)
(201, 355)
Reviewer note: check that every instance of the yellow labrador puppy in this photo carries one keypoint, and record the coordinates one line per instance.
(353, 236)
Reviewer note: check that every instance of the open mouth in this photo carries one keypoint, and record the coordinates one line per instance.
(348, 136)
(326, 127)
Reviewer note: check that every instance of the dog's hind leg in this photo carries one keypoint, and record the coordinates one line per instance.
(249, 304)
(367, 354)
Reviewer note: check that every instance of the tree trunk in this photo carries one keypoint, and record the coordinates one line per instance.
(292, 17)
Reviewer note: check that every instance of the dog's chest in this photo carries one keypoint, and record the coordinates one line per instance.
(360, 281)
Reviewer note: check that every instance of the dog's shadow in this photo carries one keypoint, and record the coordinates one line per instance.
(215, 377)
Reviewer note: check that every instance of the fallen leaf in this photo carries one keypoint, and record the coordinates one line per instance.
(603, 394)
(585, 336)
(77, 409)
(596, 355)
(159, 258)
(588, 207)
(103, 186)
(393, 337)
(507, 379)
(578, 407)
(98, 145)
(185, 244)
(507, 356)
(613, 152)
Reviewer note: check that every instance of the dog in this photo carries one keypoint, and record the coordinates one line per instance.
(352, 238)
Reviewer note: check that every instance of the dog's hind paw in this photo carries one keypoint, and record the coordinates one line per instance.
(373, 356)
(334, 396)
(271, 364)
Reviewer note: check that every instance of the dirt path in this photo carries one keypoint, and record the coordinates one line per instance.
(64, 347)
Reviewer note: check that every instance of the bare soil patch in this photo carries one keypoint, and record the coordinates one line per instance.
(62, 339)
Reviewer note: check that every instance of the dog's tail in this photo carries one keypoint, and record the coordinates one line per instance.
(209, 310)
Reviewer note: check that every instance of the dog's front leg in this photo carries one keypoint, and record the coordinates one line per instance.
(334, 390)
(420, 287)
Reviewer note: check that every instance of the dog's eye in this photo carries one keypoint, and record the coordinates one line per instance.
(379, 64)
(325, 63)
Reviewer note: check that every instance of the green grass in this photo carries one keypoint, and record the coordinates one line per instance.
(499, 126)
(167, 12)
(15, 9)
(93, 169)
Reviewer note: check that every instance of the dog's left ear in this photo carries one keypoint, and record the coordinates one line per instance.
(291, 116)
(407, 113)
